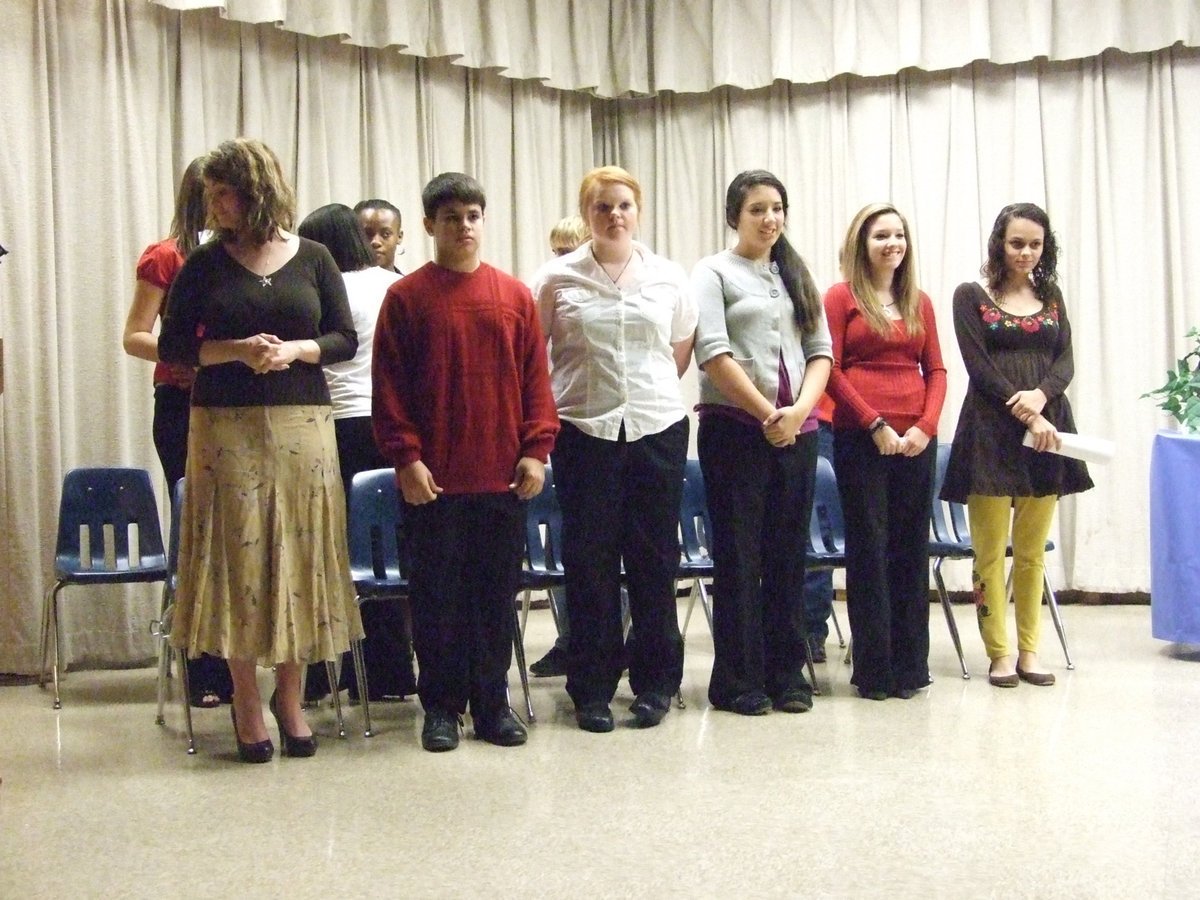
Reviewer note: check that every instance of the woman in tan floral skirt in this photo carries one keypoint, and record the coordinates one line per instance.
(263, 566)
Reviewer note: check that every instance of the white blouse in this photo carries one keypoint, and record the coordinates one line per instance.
(610, 348)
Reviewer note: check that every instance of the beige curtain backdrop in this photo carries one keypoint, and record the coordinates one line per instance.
(106, 103)
(627, 47)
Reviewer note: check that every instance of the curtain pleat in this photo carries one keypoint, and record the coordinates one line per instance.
(621, 48)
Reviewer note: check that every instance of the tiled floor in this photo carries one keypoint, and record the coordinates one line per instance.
(1086, 789)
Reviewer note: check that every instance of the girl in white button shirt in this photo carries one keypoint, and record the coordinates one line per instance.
(620, 323)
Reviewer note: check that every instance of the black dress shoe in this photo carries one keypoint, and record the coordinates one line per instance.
(794, 700)
(258, 752)
(292, 746)
(751, 703)
(650, 708)
(503, 729)
(904, 693)
(552, 664)
(440, 731)
(595, 717)
(872, 695)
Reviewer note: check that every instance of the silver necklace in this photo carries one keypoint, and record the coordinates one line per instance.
(606, 272)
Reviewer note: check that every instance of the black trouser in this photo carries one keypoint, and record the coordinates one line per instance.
(759, 500)
(387, 647)
(620, 502)
(467, 551)
(172, 410)
(886, 503)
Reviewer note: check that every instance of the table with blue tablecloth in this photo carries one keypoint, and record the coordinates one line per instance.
(1175, 537)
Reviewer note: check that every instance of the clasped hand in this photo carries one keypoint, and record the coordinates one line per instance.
(913, 443)
(267, 353)
(780, 427)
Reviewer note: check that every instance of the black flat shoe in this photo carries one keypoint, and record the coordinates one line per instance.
(794, 700)
(904, 693)
(595, 717)
(258, 752)
(292, 746)
(650, 708)
(1041, 679)
(751, 703)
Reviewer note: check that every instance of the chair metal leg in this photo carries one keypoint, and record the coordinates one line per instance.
(158, 629)
(837, 627)
(949, 611)
(526, 600)
(360, 671)
(519, 649)
(706, 604)
(49, 641)
(1052, 602)
(690, 607)
(185, 699)
(331, 672)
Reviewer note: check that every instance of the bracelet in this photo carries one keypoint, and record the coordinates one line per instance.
(876, 425)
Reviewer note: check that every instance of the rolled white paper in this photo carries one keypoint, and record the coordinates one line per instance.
(1078, 446)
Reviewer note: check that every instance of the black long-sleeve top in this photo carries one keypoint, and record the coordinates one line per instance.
(214, 297)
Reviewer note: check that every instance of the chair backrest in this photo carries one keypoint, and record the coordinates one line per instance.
(379, 556)
(108, 522)
(826, 526)
(949, 520)
(695, 526)
(543, 529)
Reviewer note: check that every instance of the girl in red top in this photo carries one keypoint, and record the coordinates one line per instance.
(888, 382)
(208, 676)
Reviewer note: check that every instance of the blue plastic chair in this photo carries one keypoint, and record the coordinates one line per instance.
(695, 526)
(543, 569)
(100, 511)
(380, 564)
(949, 539)
(160, 628)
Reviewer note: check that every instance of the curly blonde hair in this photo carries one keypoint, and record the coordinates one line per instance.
(252, 169)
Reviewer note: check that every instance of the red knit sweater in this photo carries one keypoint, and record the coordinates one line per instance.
(460, 379)
(896, 376)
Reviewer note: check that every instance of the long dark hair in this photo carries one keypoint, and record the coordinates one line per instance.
(806, 299)
(337, 227)
(188, 221)
(1045, 273)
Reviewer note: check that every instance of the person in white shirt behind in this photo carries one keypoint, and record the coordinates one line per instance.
(387, 648)
(620, 323)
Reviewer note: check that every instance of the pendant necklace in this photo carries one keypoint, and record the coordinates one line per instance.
(619, 274)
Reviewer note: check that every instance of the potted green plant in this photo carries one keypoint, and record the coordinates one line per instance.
(1180, 396)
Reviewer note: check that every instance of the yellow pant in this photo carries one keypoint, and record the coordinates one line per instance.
(1031, 518)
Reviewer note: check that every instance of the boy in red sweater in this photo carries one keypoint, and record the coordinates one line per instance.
(462, 407)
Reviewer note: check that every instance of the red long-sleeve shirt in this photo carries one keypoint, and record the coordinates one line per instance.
(899, 377)
(460, 379)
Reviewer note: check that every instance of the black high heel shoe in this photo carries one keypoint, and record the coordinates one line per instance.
(292, 746)
(258, 752)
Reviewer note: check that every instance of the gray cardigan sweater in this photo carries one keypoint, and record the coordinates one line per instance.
(746, 311)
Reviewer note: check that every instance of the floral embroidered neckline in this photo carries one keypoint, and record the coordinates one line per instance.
(994, 317)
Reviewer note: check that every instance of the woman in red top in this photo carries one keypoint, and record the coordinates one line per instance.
(888, 382)
(208, 676)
